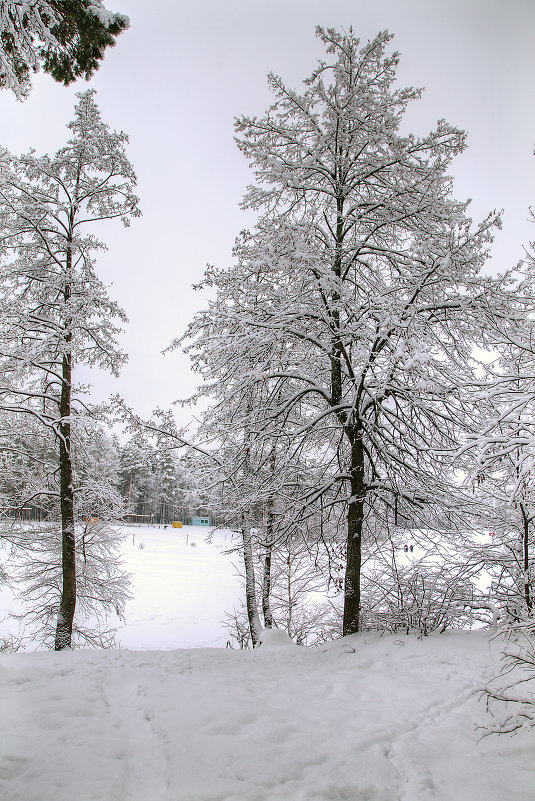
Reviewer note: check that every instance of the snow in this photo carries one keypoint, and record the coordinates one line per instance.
(275, 638)
(363, 719)
(366, 718)
(181, 587)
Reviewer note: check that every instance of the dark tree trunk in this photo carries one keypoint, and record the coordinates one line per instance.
(355, 518)
(266, 585)
(68, 554)
(68, 543)
(355, 512)
(337, 349)
(525, 562)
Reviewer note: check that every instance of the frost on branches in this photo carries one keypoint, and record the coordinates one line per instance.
(67, 39)
(351, 312)
(55, 312)
(501, 453)
(500, 459)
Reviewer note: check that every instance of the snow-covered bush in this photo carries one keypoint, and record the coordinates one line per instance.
(9, 644)
(102, 585)
(299, 597)
(419, 590)
(510, 696)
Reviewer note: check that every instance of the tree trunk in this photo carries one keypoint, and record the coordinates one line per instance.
(266, 584)
(255, 626)
(336, 352)
(355, 512)
(289, 622)
(68, 553)
(68, 543)
(355, 518)
(525, 559)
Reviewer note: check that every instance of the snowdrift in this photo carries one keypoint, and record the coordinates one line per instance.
(366, 718)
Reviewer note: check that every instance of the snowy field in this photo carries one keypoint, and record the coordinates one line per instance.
(368, 718)
(181, 587)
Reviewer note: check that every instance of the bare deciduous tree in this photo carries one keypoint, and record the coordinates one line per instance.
(351, 311)
(55, 312)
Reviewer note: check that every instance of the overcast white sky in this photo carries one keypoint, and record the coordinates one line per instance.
(176, 80)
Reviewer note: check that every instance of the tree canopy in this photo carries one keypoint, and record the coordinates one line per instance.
(66, 38)
(351, 312)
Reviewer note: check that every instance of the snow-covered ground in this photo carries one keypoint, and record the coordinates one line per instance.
(363, 719)
(181, 587)
(366, 718)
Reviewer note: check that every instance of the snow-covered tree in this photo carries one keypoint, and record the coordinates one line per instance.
(510, 695)
(28, 466)
(29, 523)
(502, 455)
(136, 475)
(166, 483)
(249, 481)
(55, 312)
(96, 464)
(351, 311)
(102, 587)
(299, 597)
(415, 581)
(499, 458)
(153, 480)
(67, 39)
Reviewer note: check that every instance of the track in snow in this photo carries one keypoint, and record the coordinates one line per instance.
(363, 719)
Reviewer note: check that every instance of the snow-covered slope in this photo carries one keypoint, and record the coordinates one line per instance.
(367, 718)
